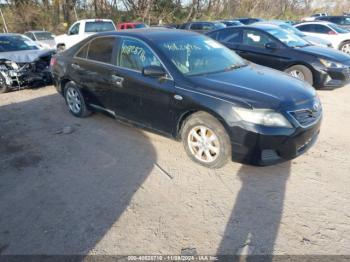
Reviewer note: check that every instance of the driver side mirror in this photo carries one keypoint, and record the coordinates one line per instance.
(271, 46)
(153, 71)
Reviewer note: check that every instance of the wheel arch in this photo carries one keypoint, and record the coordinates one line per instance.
(343, 42)
(308, 66)
(188, 113)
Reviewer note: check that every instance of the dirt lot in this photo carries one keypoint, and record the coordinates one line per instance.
(102, 187)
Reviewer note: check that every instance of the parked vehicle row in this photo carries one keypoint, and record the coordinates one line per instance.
(271, 46)
(190, 87)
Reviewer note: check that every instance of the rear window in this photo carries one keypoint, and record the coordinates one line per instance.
(43, 36)
(101, 49)
(98, 26)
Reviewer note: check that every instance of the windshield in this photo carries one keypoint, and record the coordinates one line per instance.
(16, 43)
(99, 26)
(338, 29)
(43, 36)
(199, 55)
(287, 38)
(292, 29)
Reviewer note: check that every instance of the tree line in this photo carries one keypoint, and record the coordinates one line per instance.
(57, 15)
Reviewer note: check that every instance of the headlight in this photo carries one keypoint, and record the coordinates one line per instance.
(265, 117)
(332, 64)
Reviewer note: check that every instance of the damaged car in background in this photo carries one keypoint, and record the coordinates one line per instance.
(22, 63)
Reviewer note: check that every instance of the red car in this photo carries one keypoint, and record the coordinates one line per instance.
(131, 25)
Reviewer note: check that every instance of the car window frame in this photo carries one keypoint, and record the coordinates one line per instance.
(239, 31)
(115, 47)
(75, 24)
(30, 35)
(279, 43)
(117, 51)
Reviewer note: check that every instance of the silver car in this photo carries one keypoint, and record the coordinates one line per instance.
(44, 39)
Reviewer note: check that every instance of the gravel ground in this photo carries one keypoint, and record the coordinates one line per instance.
(96, 186)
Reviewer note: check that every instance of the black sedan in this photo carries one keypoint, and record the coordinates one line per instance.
(190, 87)
(271, 46)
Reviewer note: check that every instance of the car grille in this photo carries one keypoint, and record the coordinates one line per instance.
(307, 117)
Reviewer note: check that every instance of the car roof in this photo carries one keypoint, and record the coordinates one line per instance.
(9, 34)
(261, 26)
(130, 23)
(37, 31)
(94, 20)
(151, 33)
(315, 22)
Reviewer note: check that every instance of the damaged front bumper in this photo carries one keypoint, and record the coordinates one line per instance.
(17, 75)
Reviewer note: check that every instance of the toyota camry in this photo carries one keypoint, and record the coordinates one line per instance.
(191, 88)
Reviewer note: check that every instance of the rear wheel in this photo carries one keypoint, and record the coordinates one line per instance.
(206, 141)
(75, 100)
(301, 72)
(345, 47)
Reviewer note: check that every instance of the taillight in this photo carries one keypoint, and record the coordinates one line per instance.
(53, 61)
(332, 33)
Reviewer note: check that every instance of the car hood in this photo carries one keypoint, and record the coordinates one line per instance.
(26, 56)
(322, 52)
(255, 86)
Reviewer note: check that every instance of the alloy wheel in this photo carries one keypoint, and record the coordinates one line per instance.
(73, 100)
(346, 48)
(203, 144)
(297, 74)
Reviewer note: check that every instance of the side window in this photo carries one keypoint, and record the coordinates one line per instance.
(30, 35)
(229, 36)
(135, 55)
(256, 38)
(207, 26)
(101, 49)
(129, 27)
(74, 30)
(321, 29)
(82, 53)
(196, 26)
(306, 28)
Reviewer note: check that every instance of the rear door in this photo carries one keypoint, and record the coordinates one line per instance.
(230, 37)
(142, 98)
(253, 48)
(92, 67)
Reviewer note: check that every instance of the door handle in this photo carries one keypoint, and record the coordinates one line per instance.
(118, 80)
(76, 66)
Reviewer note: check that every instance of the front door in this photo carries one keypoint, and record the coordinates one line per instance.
(142, 98)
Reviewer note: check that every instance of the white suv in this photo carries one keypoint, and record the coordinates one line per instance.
(82, 29)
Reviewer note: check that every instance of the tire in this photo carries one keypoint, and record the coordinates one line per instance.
(301, 72)
(4, 88)
(345, 47)
(202, 151)
(75, 100)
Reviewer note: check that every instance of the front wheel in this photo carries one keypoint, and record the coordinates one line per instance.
(345, 47)
(206, 141)
(301, 72)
